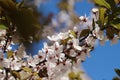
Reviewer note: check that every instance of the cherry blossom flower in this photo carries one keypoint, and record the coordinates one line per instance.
(76, 44)
(98, 33)
(53, 38)
(63, 35)
(31, 61)
(2, 32)
(21, 53)
(64, 78)
(2, 75)
(15, 65)
(40, 57)
(95, 10)
(75, 29)
(83, 18)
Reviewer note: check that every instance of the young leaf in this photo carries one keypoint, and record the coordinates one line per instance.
(73, 33)
(35, 74)
(1, 67)
(15, 74)
(72, 75)
(27, 69)
(102, 3)
(116, 23)
(9, 54)
(117, 26)
(65, 40)
(84, 32)
(2, 26)
(39, 79)
(24, 75)
(102, 16)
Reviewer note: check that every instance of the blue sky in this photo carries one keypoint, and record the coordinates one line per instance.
(103, 60)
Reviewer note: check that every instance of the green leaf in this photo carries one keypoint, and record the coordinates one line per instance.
(117, 71)
(39, 79)
(15, 74)
(35, 74)
(9, 54)
(73, 33)
(25, 75)
(78, 75)
(116, 23)
(117, 26)
(26, 19)
(72, 75)
(27, 69)
(84, 32)
(112, 4)
(2, 26)
(1, 67)
(26, 22)
(117, 11)
(106, 20)
(65, 40)
(102, 12)
(80, 72)
(102, 3)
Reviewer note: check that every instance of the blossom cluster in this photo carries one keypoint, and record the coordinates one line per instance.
(66, 53)
(49, 63)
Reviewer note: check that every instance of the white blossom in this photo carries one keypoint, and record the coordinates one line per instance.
(76, 44)
(2, 32)
(15, 65)
(31, 61)
(83, 18)
(95, 10)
